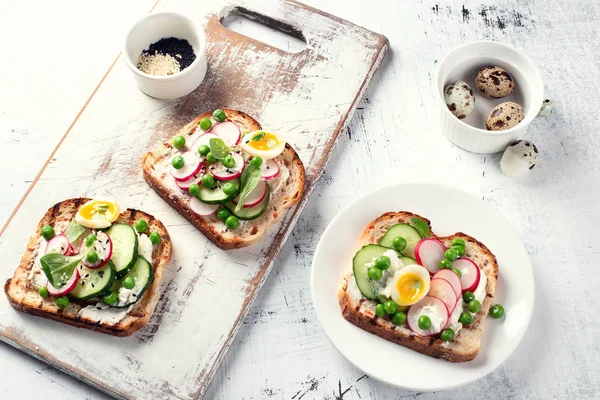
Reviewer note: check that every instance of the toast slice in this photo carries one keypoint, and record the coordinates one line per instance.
(24, 296)
(290, 187)
(360, 311)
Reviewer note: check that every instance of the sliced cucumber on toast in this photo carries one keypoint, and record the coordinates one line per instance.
(142, 275)
(410, 234)
(216, 195)
(125, 248)
(94, 283)
(366, 255)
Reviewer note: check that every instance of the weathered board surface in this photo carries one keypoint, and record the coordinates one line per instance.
(309, 95)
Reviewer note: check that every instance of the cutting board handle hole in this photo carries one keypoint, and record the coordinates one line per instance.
(265, 29)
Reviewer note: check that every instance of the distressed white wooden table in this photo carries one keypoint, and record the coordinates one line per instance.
(57, 54)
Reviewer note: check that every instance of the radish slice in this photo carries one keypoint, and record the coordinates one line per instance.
(429, 253)
(255, 196)
(185, 185)
(201, 208)
(435, 309)
(59, 244)
(103, 246)
(453, 279)
(470, 273)
(203, 139)
(269, 170)
(228, 131)
(70, 251)
(69, 286)
(193, 163)
(443, 290)
(220, 172)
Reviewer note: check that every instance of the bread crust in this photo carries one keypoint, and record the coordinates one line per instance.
(23, 296)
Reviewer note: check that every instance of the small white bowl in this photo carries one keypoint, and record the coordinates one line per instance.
(462, 63)
(151, 29)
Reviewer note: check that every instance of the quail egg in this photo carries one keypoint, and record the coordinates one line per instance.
(505, 116)
(494, 82)
(518, 158)
(459, 99)
(546, 108)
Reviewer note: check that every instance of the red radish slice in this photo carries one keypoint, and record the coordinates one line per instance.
(220, 172)
(228, 131)
(435, 309)
(203, 139)
(70, 251)
(69, 286)
(58, 244)
(103, 246)
(185, 185)
(201, 208)
(470, 273)
(269, 170)
(193, 163)
(443, 290)
(429, 253)
(452, 278)
(255, 196)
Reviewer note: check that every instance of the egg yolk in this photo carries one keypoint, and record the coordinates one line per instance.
(409, 287)
(97, 210)
(267, 142)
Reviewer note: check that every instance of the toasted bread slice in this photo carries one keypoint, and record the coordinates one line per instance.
(290, 187)
(361, 311)
(24, 296)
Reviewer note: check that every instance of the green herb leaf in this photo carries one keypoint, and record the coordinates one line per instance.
(250, 178)
(421, 226)
(258, 137)
(59, 268)
(74, 231)
(218, 148)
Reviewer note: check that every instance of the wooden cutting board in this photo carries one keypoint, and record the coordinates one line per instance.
(309, 96)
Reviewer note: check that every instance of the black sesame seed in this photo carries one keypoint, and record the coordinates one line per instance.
(87, 275)
(93, 284)
(134, 295)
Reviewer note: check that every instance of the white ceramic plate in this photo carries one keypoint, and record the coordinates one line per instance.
(449, 211)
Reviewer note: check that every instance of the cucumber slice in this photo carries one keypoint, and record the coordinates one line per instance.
(125, 248)
(248, 213)
(94, 282)
(408, 261)
(362, 257)
(142, 275)
(407, 232)
(216, 195)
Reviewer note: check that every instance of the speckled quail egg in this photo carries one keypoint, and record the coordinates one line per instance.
(459, 99)
(504, 116)
(494, 82)
(518, 158)
(546, 108)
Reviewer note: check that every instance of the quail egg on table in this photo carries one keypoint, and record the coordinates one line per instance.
(459, 99)
(518, 158)
(494, 82)
(505, 116)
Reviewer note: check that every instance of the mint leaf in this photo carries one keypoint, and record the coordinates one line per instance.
(74, 231)
(218, 148)
(250, 178)
(59, 268)
(421, 226)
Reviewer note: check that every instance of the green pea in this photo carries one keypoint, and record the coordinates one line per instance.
(447, 335)
(203, 150)
(232, 222)
(451, 254)
(44, 292)
(445, 263)
(374, 273)
(194, 189)
(208, 181)
(379, 311)
(219, 115)
(141, 225)
(90, 239)
(205, 124)
(382, 262)
(390, 307)
(399, 243)
(460, 250)
(468, 297)
(399, 318)
(457, 272)
(179, 142)
(154, 238)
(128, 282)
(178, 162)
(256, 161)
(92, 256)
(210, 158)
(465, 318)
(48, 232)
(474, 306)
(229, 188)
(223, 214)
(110, 298)
(458, 242)
(424, 322)
(228, 162)
(62, 302)
(497, 311)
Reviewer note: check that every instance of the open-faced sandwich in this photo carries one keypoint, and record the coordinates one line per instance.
(92, 266)
(424, 292)
(227, 176)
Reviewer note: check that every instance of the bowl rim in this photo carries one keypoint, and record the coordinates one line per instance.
(181, 74)
(528, 117)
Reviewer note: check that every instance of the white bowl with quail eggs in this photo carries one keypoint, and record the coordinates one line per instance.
(488, 93)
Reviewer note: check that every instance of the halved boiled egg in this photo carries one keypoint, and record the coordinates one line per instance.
(263, 144)
(409, 285)
(98, 213)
